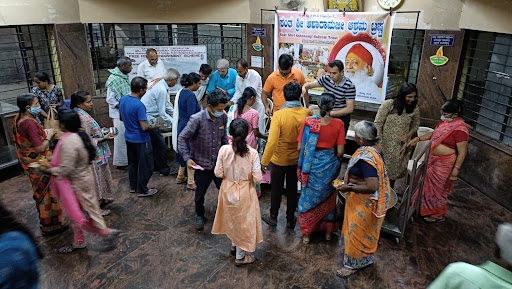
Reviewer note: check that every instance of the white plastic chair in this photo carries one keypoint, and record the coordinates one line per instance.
(422, 130)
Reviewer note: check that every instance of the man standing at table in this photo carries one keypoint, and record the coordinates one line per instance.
(155, 101)
(224, 78)
(118, 85)
(274, 85)
(151, 68)
(249, 78)
(341, 87)
(204, 71)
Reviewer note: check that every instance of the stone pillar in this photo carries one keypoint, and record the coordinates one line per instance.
(436, 81)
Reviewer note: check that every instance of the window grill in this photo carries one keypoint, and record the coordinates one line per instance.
(25, 50)
(485, 85)
(107, 41)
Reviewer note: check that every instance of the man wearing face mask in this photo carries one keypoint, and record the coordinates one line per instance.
(224, 79)
(151, 68)
(448, 149)
(206, 131)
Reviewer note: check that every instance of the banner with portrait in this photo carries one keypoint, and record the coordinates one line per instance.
(361, 40)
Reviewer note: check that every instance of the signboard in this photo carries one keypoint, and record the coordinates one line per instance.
(442, 39)
(361, 40)
(185, 59)
(258, 31)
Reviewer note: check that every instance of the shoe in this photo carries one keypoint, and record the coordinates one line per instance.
(150, 192)
(271, 221)
(105, 212)
(291, 224)
(123, 168)
(133, 191)
(199, 223)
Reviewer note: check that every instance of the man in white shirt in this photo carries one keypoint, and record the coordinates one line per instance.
(118, 85)
(204, 71)
(151, 68)
(249, 77)
(157, 105)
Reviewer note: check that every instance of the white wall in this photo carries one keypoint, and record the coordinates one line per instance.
(15, 12)
(485, 15)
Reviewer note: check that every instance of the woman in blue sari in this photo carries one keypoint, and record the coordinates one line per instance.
(321, 144)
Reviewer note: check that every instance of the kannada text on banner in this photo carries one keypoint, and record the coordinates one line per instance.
(361, 40)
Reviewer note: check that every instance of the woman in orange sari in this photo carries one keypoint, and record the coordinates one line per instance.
(366, 190)
(32, 144)
(448, 149)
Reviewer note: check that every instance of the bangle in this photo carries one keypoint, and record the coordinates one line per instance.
(457, 167)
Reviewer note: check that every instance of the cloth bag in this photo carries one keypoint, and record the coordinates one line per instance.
(53, 122)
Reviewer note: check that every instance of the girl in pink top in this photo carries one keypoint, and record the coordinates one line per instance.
(244, 110)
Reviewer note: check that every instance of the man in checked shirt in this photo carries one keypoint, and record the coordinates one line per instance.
(206, 131)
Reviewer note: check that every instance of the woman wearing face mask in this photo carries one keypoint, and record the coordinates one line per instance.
(448, 148)
(32, 145)
(397, 121)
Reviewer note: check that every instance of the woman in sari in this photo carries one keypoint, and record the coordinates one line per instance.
(397, 121)
(366, 190)
(32, 145)
(72, 177)
(81, 102)
(321, 144)
(448, 149)
(238, 210)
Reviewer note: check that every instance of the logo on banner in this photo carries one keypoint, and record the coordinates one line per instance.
(257, 46)
(439, 59)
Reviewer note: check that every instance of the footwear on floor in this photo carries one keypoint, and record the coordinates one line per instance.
(150, 192)
(305, 239)
(199, 223)
(434, 220)
(172, 171)
(345, 272)
(105, 202)
(71, 248)
(105, 212)
(247, 259)
(191, 187)
(291, 224)
(133, 191)
(271, 221)
(123, 168)
(181, 180)
(232, 252)
(328, 236)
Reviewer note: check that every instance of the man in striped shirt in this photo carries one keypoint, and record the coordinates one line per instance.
(343, 88)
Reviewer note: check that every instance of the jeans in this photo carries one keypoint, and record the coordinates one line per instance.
(160, 154)
(140, 165)
(203, 180)
(19, 264)
(277, 176)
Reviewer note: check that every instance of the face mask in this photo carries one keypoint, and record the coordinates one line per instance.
(446, 119)
(218, 113)
(35, 110)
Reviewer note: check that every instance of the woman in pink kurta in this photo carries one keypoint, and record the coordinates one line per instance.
(238, 211)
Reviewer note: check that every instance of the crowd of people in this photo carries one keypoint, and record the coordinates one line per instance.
(300, 148)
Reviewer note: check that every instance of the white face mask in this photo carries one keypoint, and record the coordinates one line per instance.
(446, 119)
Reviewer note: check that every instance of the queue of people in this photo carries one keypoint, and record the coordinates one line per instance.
(301, 147)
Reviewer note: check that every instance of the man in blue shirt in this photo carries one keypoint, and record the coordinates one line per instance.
(138, 142)
(496, 275)
(224, 78)
(157, 105)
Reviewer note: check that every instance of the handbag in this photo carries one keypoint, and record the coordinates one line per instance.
(52, 121)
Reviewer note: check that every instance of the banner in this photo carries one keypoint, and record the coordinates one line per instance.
(361, 40)
(185, 59)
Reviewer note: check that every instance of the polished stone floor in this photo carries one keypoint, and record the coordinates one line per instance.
(159, 247)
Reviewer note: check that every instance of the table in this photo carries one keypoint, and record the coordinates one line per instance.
(8, 155)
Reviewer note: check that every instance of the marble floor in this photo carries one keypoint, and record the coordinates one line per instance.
(159, 247)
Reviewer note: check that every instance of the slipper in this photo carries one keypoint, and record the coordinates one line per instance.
(232, 251)
(434, 220)
(71, 248)
(105, 212)
(305, 239)
(247, 259)
(345, 272)
(104, 202)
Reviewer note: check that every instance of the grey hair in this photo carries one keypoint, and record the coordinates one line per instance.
(122, 61)
(171, 73)
(149, 50)
(367, 131)
(222, 63)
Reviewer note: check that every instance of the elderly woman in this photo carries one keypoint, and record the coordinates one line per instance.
(366, 190)
(32, 145)
(397, 121)
(49, 95)
(321, 144)
(81, 102)
(448, 149)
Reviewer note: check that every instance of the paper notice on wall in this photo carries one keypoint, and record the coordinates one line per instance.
(257, 61)
(185, 59)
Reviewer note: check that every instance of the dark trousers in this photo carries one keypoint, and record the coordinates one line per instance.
(160, 154)
(203, 180)
(277, 176)
(346, 122)
(140, 165)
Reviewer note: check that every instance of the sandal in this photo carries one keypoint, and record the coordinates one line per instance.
(233, 251)
(71, 248)
(105, 212)
(434, 220)
(247, 259)
(328, 236)
(191, 187)
(305, 239)
(345, 272)
(104, 202)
